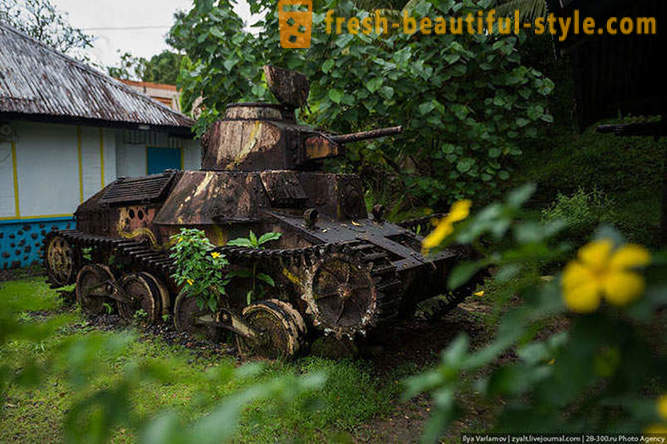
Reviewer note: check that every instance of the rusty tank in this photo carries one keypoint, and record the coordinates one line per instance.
(338, 270)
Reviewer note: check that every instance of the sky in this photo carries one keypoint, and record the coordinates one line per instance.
(109, 21)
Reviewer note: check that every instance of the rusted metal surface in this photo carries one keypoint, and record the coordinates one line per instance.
(35, 79)
(257, 137)
(137, 190)
(365, 135)
(290, 87)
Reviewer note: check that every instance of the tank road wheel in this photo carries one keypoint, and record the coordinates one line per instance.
(61, 260)
(188, 317)
(343, 295)
(92, 289)
(144, 294)
(280, 328)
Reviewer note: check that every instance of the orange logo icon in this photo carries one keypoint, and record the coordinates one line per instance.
(295, 20)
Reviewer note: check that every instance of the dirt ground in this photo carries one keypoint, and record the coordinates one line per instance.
(418, 343)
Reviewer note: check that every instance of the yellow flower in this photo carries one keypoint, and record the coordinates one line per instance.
(459, 211)
(479, 293)
(180, 238)
(215, 255)
(656, 429)
(598, 271)
(662, 406)
(190, 282)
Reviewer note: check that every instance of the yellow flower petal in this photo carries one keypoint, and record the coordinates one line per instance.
(479, 293)
(459, 210)
(215, 254)
(576, 274)
(621, 288)
(662, 406)
(582, 298)
(596, 254)
(656, 429)
(630, 256)
(190, 282)
(436, 236)
(552, 362)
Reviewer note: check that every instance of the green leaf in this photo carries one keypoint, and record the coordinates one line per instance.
(240, 242)
(266, 278)
(464, 165)
(374, 84)
(266, 237)
(326, 66)
(240, 273)
(462, 274)
(516, 198)
(426, 107)
(335, 95)
(230, 63)
(387, 92)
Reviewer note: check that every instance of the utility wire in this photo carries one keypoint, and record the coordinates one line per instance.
(125, 28)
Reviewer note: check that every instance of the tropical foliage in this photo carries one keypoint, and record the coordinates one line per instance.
(585, 345)
(200, 271)
(465, 101)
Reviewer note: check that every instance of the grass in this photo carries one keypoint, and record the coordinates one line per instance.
(351, 396)
(626, 170)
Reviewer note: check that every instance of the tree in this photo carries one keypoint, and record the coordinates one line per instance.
(41, 20)
(465, 101)
(528, 9)
(160, 68)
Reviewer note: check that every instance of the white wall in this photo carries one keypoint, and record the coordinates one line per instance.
(6, 181)
(131, 149)
(47, 164)
(191, 155)
(47, 167)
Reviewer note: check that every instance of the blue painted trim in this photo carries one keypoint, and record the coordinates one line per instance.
(28, 220)
(22, 240)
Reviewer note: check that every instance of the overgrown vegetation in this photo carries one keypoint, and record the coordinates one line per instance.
(600, 372)
(465, 101)
(200, 271)
(260, 282)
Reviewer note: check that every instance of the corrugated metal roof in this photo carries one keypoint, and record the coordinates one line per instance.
(35, 79)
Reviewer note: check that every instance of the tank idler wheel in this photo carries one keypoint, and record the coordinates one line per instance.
(144, 296)
(280, 329)
(61, 260)
(196, 321)
(93, 289)
(343, 294)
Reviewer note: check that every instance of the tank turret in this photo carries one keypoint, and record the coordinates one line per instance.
(265, 136)
(338, 272)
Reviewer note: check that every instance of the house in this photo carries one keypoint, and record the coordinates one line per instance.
(166, 94)
(66, 131)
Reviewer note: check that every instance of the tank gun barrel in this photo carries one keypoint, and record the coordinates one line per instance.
(364, 135)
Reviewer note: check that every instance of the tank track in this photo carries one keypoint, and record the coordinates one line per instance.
(371, 257)
(140, 253)
(375, 259)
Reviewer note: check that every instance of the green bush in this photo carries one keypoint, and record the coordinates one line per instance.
(582, 212)
(581, 353)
